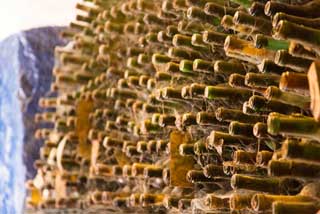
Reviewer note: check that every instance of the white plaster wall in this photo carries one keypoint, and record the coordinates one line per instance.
(16, 15)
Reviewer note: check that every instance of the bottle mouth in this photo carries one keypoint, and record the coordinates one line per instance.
(270, 92)
(284, 81)
(217, 141)
(219, 113)
(233, 202)
(267, 8)
(190, 12)
(233, 128)
(218, 65)
(273, 124)
(191, 176)
(186, 66)
(277, 18)
(263, 66)
(208, 201)
(176, 40)
(207, 173)
(120, 202)
(207, 9)
(259, 158)
(292, 186)
(155, 118)
(160, 59)
(134, 199)
(151, 84)
(167, 6)
(234, 181)
(207, 92)
(172, 30)
(256, 130)
(181, 26)
(197, 89)
(237, 18)
(227, 169)
(211, 8)
(167, 120)
(253, 10)
(205, 37)
(127, 170)
(141, 146)
(199, 117)
(286, 146)
(275, 168)
(146, 199)
(128, 28)
(165, 93)
(279, 56)
(227, 43)
(255, 202)
(167, 202)
(227, 21)
(136, 170)
(257, 102)
(187, 119)
(172, 67)
(237, 80)
(278, 30)
(260, 41)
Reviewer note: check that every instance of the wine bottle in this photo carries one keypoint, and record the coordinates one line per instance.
(257, 9)
(195, 13)
(261, 104)
(293, 168)
(297, 33)
(274, 93)
(217, 10)
(261, 80)
(240, 201)
(263, 157)
(268, 66)
(229, 115)
(307, 10)
(308, 22)
(214, 202)
(243, 129)
(299, 126)
(244, 50)
(218, 92)
(261, 202)
(283, 58)
(298, 50)
(275, 185)
(301, 207)
(262, 41)
(294, 82)
(256, 23)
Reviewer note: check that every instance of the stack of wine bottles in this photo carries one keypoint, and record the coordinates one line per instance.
(183, 106)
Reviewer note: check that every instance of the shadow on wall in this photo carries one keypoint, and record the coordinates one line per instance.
(27, 58)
